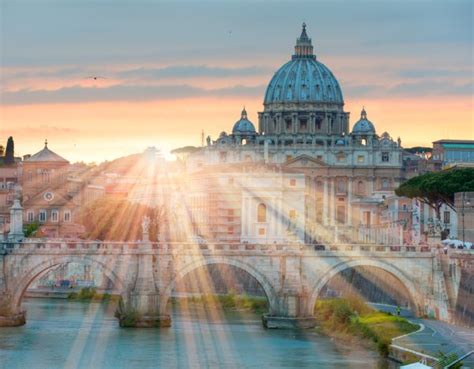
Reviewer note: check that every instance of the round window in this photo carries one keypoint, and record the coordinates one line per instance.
(48, 196)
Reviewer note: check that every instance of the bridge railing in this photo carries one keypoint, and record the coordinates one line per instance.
(160, 247)
(460, 252)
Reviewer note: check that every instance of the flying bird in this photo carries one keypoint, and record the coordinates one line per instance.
(95, 78)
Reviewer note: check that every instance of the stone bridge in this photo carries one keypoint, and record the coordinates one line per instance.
(292, 275)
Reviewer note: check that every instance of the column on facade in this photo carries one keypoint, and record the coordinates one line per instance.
(279, 231)
(332, 199)
(273, 222)
(326, 202)
(294, 124)
(246, 217)
(265, 150)
(243, 219)
(349, 202)
(251, 204)
(268, 124)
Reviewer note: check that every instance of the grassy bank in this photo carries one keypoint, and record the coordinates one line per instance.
(352, 319)
(229, 302)
(90, 294)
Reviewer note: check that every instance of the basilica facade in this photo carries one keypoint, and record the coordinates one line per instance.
(306, 174)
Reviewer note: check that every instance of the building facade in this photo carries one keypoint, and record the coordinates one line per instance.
(53, 192)
(453, 152)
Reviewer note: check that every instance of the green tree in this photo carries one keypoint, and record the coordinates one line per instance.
(31, 229)
(438, 188)
(183, 152)
(10, 151)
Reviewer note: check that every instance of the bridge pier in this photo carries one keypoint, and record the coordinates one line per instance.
(289, 312)
(140, 307)
(9, 317)
(141, 310)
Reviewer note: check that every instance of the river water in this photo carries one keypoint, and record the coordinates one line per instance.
(60, 334)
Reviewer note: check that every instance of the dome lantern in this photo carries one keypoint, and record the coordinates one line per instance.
(304, 47)
(244, 114)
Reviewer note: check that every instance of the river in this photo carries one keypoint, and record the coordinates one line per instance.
(60, 334)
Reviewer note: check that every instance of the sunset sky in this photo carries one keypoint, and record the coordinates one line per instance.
(175, 68)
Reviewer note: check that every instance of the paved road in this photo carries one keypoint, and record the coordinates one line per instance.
(436, 336)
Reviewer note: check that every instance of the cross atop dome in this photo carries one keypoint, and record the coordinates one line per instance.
(303, 47)
(304, 35)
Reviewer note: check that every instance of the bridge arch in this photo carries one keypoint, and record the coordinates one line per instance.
(46, 263)
(414, 294)
(194, 265)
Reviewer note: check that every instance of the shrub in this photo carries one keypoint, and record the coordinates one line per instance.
(352, 316)
(127, 316)
(85, 294)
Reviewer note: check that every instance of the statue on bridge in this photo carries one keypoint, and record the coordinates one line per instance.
(16, 219)
(146, 229)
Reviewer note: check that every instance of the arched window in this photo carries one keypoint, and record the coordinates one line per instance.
(262, 213)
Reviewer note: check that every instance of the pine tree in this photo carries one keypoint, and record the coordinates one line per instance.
(9, 152)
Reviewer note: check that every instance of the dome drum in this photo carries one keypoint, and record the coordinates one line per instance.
(306, 121)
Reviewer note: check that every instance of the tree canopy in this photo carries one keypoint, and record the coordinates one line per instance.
(417, 149)
(185, 150)
(10, 151)
(438, 188)
(115, 219)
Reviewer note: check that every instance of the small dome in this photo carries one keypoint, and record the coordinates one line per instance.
(243, 126)
(363, 125)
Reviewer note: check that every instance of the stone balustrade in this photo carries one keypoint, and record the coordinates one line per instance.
(110, 247)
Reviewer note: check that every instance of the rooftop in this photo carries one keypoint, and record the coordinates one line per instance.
(46, 155)
(443, 141)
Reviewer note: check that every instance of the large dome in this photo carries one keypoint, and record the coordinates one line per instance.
(304, 79)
